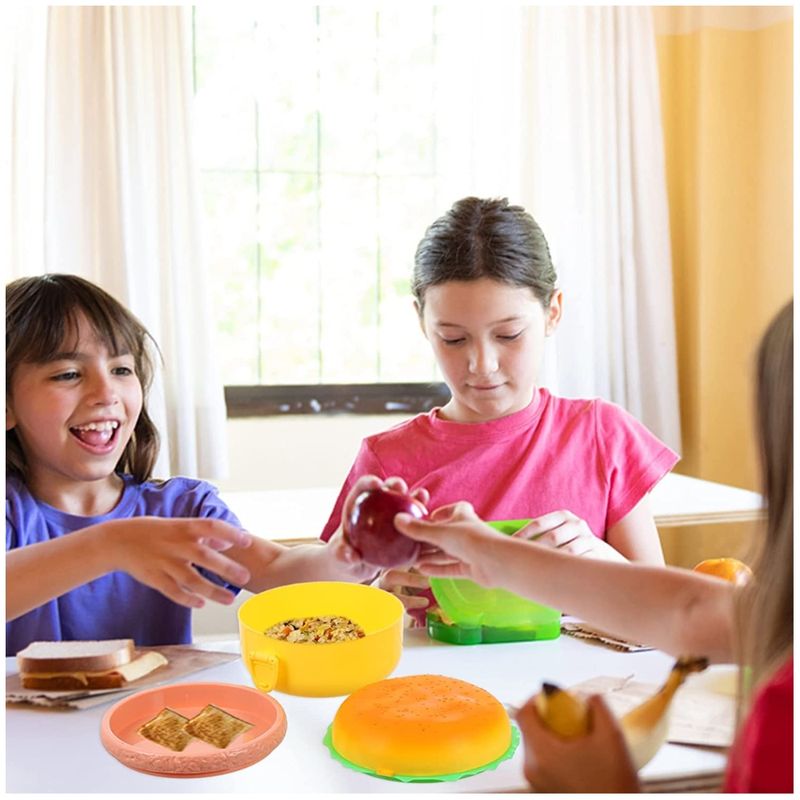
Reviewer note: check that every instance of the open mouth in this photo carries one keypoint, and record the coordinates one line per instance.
(99, 435)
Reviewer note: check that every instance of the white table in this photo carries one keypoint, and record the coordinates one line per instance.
(60, 750)
(293, 515)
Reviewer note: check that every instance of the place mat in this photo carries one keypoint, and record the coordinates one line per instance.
(699, 714)
(182, 660)
(580, 630)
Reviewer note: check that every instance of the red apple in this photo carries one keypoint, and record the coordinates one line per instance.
(371, 530)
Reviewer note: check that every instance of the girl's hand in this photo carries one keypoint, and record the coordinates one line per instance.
(363, 484)
(564, 531)
(163, 553)
(347, 561)
(412, 589)
(597, 762)
(460, 540)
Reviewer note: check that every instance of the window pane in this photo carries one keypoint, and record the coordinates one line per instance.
(405, 95)
(289, 286)
(406, 209)
(349, 319)
(224, 133)
(287, 88)
(347, 92)
(229, 234)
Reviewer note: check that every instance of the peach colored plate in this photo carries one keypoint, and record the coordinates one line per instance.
(120, 725)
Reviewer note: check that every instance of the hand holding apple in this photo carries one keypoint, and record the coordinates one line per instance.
(369, 527)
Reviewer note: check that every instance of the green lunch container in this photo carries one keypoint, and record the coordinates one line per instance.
(483, 616)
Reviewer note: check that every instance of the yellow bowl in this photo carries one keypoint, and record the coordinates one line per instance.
(321, 670)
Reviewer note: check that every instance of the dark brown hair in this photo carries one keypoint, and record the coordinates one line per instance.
(41, 312)
(765, 606)
(484, 238)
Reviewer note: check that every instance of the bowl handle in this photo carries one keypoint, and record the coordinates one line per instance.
(264, 669)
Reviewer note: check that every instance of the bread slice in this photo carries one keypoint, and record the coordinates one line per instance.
(83, 679)
(167, 728)
(75, 656)
(216, 726)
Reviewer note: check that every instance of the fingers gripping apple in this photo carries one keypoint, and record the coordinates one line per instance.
(370, 528)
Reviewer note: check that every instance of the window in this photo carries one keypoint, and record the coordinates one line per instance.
(328, 139)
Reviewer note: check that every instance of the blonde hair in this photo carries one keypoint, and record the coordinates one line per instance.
(765, 605)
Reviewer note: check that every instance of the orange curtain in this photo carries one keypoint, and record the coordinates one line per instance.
(726, 84)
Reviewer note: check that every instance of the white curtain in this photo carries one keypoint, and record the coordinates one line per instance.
(120, 202)
(593, 176)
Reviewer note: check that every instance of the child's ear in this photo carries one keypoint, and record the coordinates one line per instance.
(11, 420)
(553, 312)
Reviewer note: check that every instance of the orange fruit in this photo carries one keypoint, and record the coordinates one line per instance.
(729, 569)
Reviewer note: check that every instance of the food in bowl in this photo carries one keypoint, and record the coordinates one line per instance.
(212, 725)
(167, 728)
(216, 726)
(319, 630)
(337, 668)
(421, 726)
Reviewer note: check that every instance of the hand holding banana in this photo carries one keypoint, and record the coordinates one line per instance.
(644, 728)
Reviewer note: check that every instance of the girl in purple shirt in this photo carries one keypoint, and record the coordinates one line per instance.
(96, 549)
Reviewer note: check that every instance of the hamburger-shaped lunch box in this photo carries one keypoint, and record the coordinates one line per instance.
(421, 728)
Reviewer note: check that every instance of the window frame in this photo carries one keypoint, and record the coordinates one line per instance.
(328, 398)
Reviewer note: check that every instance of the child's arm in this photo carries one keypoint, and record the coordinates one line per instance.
(156, 551)
(272, 565)
(635, 536)
(678, 611)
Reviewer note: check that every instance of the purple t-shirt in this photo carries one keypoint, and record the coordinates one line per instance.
(116, 605)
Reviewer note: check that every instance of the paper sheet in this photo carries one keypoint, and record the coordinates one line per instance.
(703, 712)
(183, 660)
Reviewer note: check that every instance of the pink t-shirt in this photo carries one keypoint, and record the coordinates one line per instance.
(590, 457)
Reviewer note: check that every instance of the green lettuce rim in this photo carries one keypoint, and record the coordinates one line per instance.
(454, 776)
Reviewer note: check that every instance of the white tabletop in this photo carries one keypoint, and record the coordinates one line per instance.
(296, 514)
(77, 762)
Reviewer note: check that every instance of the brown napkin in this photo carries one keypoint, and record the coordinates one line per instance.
(581, 630)
(182, 660)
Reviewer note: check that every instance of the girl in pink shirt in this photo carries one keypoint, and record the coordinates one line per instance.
(485, 292)
(679, 611)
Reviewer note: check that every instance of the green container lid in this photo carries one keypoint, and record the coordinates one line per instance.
(489, 615)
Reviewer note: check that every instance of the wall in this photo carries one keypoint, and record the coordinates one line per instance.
(293, 452)
(726, 83)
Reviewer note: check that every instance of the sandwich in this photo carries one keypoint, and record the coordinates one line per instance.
(71, 665)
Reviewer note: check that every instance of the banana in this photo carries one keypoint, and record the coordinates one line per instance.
(644, 727)
(563, 712)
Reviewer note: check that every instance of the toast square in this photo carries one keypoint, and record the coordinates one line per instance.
(167, 728)
(215, 726)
